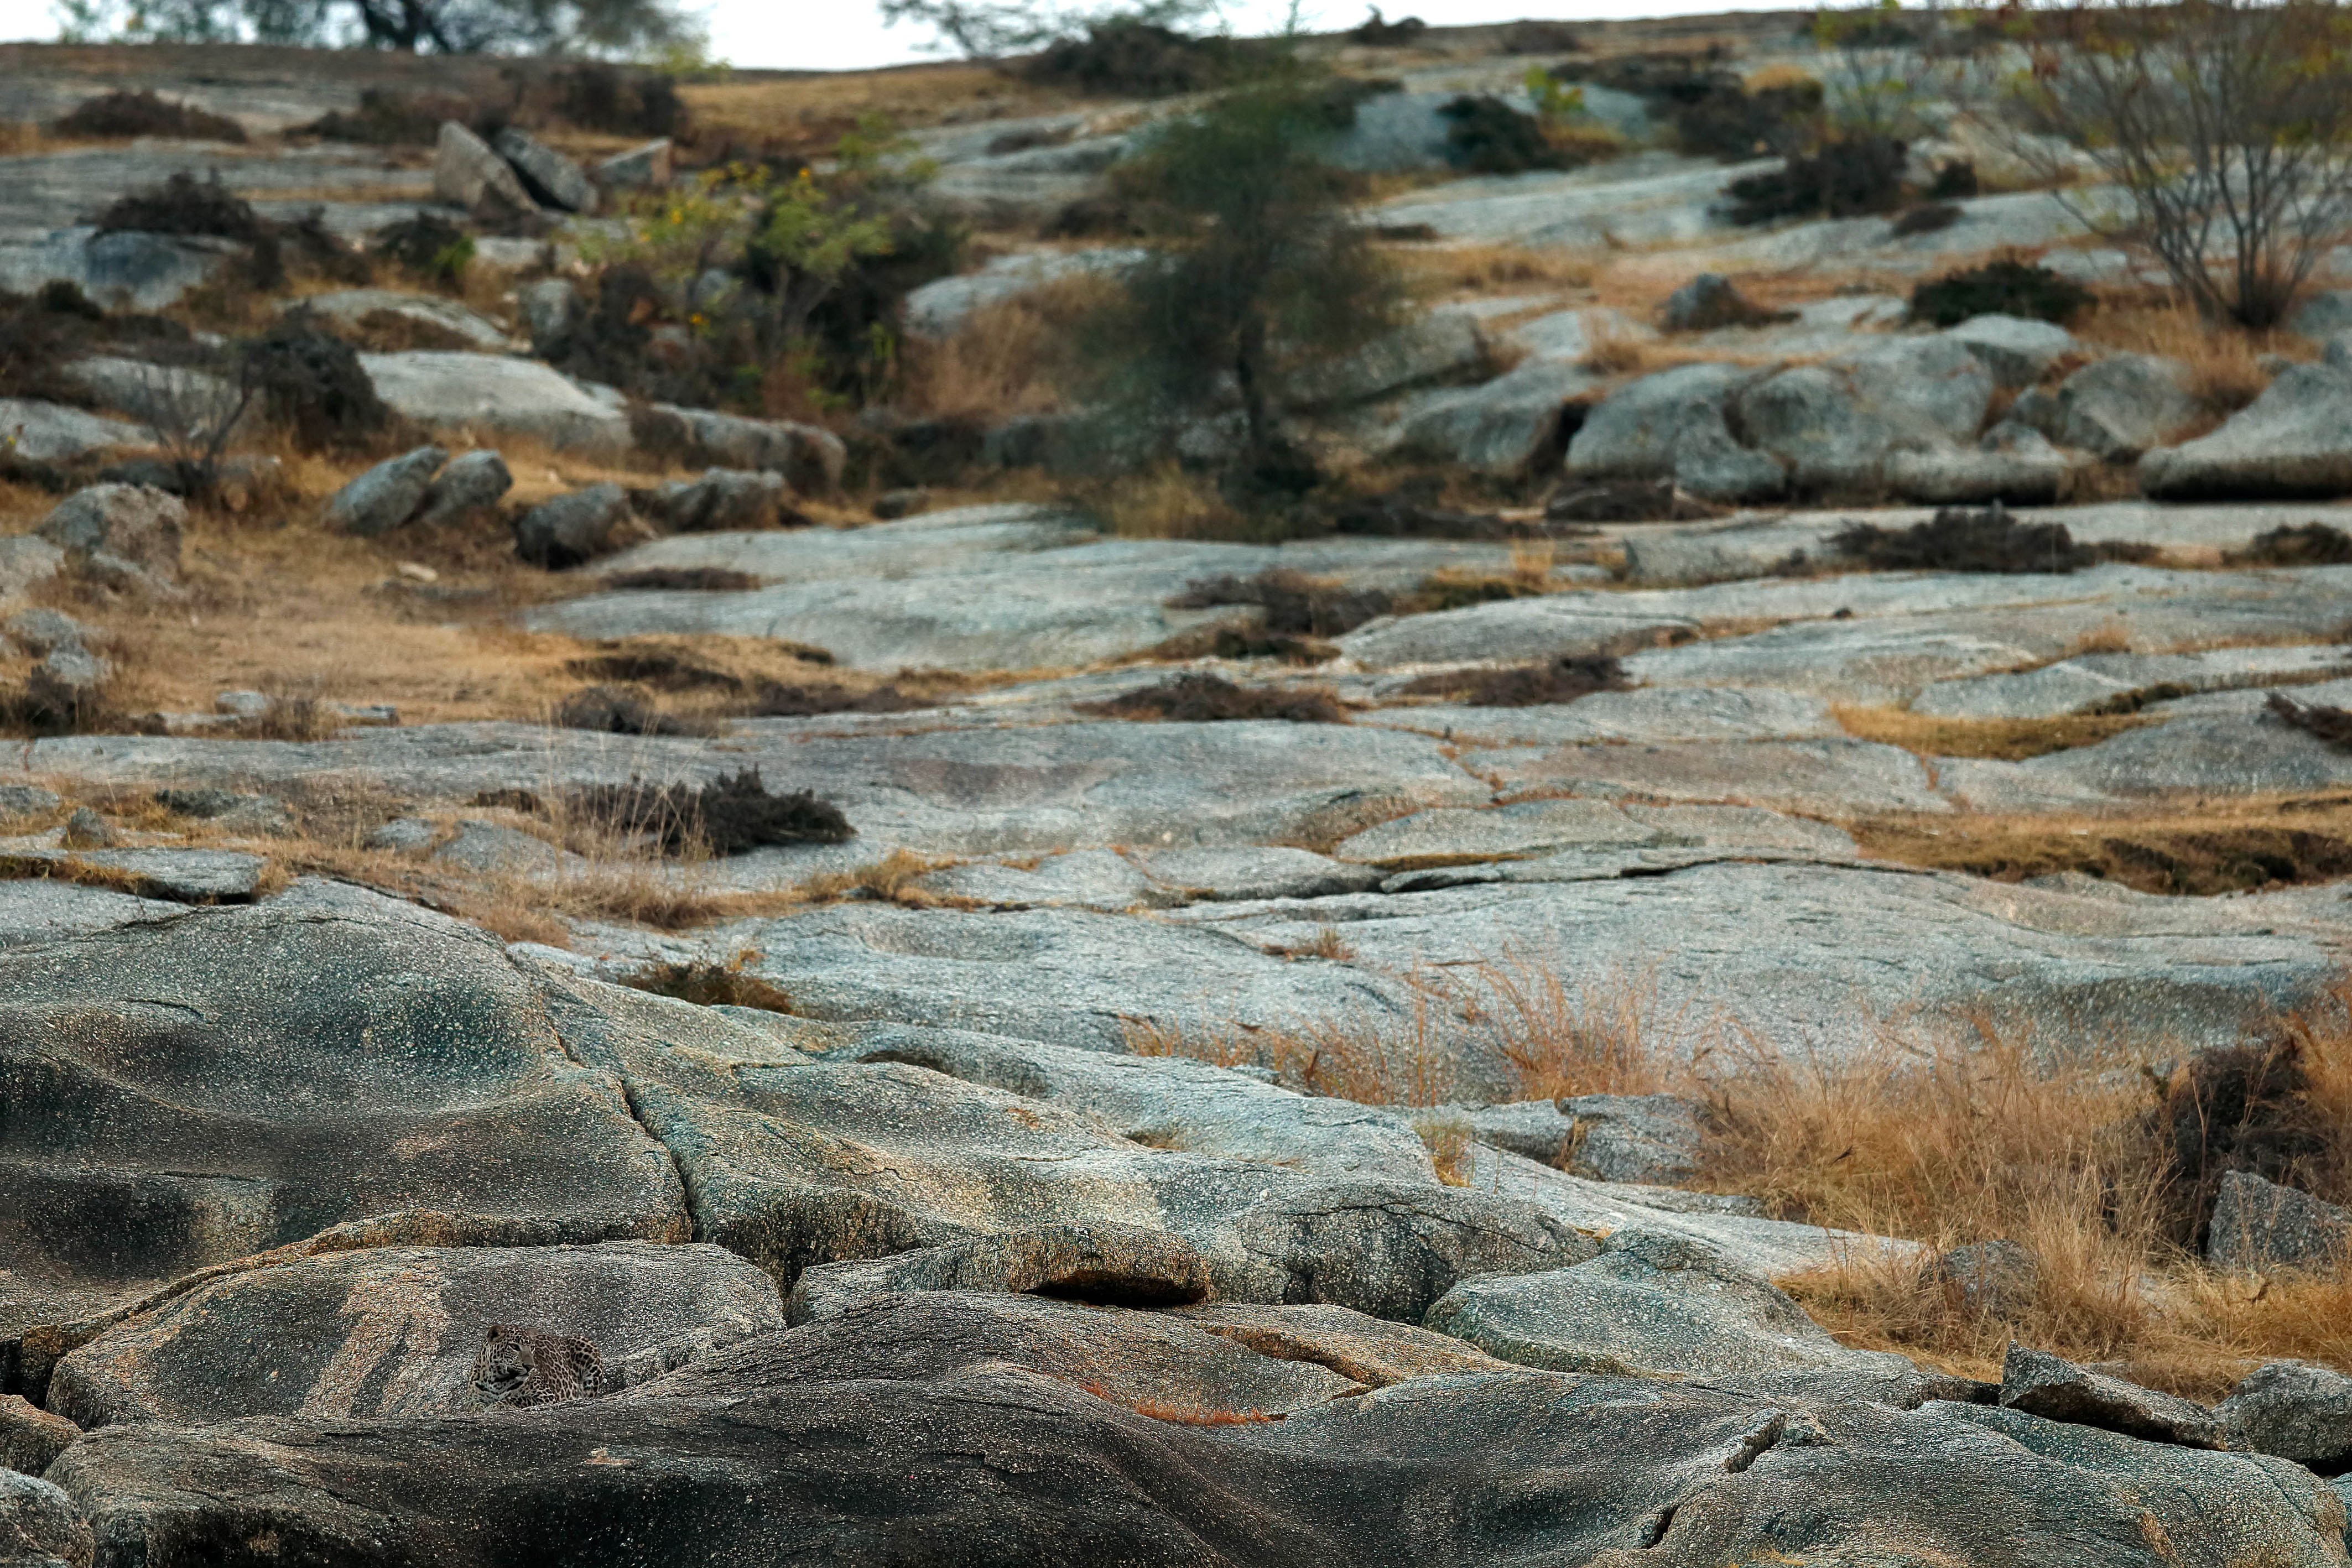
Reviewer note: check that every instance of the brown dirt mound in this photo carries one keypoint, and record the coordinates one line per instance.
(1207, 699)
(728, 815)
(1563, 679)
(123, 115)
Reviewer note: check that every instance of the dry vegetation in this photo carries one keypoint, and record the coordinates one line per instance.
(2102, 1168)
(2211, 847)
(2004, 739)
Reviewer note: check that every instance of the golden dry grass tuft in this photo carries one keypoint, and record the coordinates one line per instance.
(2005, 739)
(2223, 375)
(1479, 269)
(1011, 357)
(2210, 847)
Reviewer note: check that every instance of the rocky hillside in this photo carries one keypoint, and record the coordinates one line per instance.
(1727, 945)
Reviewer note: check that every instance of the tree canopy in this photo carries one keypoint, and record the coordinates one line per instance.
(613, 27)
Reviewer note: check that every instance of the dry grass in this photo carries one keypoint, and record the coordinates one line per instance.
(890, 879)
(2222, 373)
(807, 114)
(1010, 357)
(1448, 1140)
(2211, 847)
(1941, 1142)
(1474, 270)
(1169, 503)
(2005, 739)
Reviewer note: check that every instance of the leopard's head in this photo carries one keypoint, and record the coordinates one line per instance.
(504, 1364)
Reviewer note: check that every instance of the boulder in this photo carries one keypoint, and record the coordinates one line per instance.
(2043, 1385)
(117, 531)
(2295, 440)
(2120, 406)
(1443, 345)
(124, 270)
(394, 1331)
(643, 168)
(2294, 1410)
(549, 177)
(2017, 350)
(1168, 1101)
(441, 318)
(1634, 432)
(193, 1117)
(52, 432)
(576, 527)
(1508, 425)
(466, 174)
(31, 1438)
(40, 1527)
(1835, 425)
(1370, 1350)
(469, 490)
(26, 800)
(2261, 1225)
(723, 499)
(1655, 1304)
(387, 495)
(485, 397)
(1607, 1137)
(2013, 463)
(810, 458)
(229, 809)
(1711, 464)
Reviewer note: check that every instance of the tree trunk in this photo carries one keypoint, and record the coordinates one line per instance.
(1249, 371)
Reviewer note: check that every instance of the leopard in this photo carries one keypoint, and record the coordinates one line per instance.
(519, 1367)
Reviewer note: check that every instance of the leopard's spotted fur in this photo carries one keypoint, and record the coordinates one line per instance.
(524, 1366)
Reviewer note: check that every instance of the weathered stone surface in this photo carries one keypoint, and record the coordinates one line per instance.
(1459, 833)
(352, 306)
(941, 307)
(43, 910)
(183, 876)
(2294, 1410)
(1831, 778)
(2261, 1225)
(2293, 440)
(39, 1526)
(1168, 1101)
(1254, 872)
(124, 270)
(1648, 715)
(547, 175)
(1608, 1137)
(2017, 350)
(574, 529)
(1655, 1304)
(1506, 426)
(1444, 345)
(2120, 406)
(722, 499)
(466, 174)
(491, 396)
(51, 432)
(111, 531)
(1105, 1264)
(70, 682)
(1998, 1278)
(394, 1331)
(26, 800)
(1635, 432)
(1083, 878)
(193, 1117)
(31, 1438)
(386, 495)
(467, 490)
(2073, 685)
(810, 458)
(41, 631)
(2043, 1385)
(550, 309)
(2013, 463)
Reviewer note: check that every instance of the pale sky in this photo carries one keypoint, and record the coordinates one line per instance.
(842, 34)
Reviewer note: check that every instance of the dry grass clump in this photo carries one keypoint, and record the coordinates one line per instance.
(2221, 847)
(1562, 680)
(1010, 357)
(2223, 372)
(1195, 698)
(710, 985)
(2006, 739)
(1492, 269)
(728, 815)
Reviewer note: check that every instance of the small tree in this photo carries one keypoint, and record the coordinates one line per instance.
(444, 27)
(2223, 127)
(1264, 272)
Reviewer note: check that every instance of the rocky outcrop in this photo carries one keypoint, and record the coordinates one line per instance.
(2258, 1224)
(120, 536)
(466, 174)
(2295, 1410)
(2043, 1385)
(386, 495)
(576, 527)
(2295, 440)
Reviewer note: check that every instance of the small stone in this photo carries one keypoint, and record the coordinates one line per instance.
(550, 307)
(386, 495)
(404, 836)
(467, 490)
(550, 177)
(85, 829)
(30, 1438)
(241, 704)
(2047, 1385)
(416, 571)
(1708, 302)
